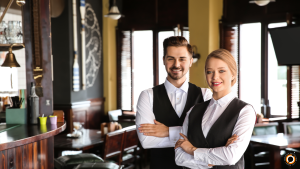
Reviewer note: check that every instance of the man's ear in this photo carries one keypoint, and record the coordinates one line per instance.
(191, 62)
(164, 60)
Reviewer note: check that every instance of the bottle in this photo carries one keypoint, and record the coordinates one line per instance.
(263, 107)
(34, 106)
(268, 108)
(1, 105)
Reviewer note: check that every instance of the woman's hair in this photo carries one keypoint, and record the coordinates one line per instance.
(177, 41)
(225, 56)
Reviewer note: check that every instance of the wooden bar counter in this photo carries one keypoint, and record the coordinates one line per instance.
(28, 146)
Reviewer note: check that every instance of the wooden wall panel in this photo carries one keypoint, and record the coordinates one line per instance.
(11, 158)
(3, 159)
(35, 155)
(19, 159)
(50, 152)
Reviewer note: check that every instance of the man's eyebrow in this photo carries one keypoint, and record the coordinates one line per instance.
(170, 56)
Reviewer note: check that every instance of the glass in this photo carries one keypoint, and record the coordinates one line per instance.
(77, 129)
(250, 64)
(142, 69)
(19, 32)
(12, 32)
(3, 28)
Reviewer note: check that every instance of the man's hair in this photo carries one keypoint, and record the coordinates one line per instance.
(177, 41)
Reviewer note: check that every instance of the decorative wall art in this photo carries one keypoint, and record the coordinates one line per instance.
(93, 46)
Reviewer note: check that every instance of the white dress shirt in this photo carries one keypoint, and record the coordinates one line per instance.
(220, 155)
(145, 113)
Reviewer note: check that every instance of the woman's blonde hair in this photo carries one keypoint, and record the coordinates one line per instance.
(225, 56)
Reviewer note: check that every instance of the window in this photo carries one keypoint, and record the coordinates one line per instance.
(250, 64)
(277, 79)
(142, 62)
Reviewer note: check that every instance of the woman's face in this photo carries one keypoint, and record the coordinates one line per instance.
(218, 76)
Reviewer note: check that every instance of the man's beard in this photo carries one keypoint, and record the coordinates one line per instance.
(175, 77)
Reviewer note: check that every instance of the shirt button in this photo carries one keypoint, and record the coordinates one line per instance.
(177, 98)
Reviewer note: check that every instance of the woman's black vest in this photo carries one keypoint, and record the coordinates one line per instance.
(164, 158)
(219, 132)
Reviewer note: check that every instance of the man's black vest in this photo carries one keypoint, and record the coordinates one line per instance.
(164, 158)
(219, 132)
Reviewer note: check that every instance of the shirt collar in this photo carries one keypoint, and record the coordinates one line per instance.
(171, 88)
(222, 101)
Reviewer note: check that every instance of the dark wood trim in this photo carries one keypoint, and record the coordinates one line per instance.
(119, 67)
(155, 58)
(239, 58)
(132, 67)
(289, 92)
(264, 61)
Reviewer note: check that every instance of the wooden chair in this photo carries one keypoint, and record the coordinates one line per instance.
(113, 146)
(291, 127)
(130, 147)
(257, 156)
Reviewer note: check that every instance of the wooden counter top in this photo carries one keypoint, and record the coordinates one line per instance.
(25, 134)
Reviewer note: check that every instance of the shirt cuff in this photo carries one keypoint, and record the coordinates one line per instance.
(174, 133)
(200, 154)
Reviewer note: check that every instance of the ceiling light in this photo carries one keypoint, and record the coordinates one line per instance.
(262, 2)
(114, 12)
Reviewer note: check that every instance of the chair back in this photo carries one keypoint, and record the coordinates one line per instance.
(114, 114)
(113, 145)
(265, 129)
(291, 127)
(131, 139)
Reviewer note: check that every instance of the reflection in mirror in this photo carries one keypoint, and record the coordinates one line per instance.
(12, 79)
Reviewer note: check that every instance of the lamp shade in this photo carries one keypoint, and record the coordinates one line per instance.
(10, 61)
(114, 13)
(262, 2)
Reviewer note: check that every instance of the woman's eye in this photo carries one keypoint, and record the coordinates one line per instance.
(208, 72)
(222, 71)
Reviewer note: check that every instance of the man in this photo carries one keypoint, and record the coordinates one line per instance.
(162, 109)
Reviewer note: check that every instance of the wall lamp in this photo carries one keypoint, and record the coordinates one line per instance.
(196, 55)
(261, 2)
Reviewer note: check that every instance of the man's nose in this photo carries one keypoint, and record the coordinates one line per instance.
(177, 63)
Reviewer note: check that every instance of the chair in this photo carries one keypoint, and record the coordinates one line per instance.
(113, 145)
(114, 114)
(130, 147)
(291, 127)
(70, 161)
(98, 166)
(257, 156)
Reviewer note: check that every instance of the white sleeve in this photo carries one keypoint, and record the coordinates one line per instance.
(181, 157)
(206, 93)
(145, 115)
(231, 154)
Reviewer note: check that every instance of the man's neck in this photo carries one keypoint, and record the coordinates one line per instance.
(177, 83)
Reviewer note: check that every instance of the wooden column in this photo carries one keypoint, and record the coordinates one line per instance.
(37, 39)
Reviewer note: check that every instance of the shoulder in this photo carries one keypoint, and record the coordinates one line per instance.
(201, 105)
(146, 93)
(246, 107)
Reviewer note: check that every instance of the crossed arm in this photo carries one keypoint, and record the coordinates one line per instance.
(188, 155)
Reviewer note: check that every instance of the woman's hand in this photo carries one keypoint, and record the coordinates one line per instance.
(185, 145)
(231, 140)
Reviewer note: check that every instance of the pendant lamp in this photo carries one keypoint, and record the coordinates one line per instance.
(114, 12)
(262, 2)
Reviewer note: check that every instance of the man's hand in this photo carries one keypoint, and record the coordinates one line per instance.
(231, 140)
(185, 145)
(158, 129)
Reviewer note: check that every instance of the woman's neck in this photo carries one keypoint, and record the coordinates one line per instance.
(219, 95)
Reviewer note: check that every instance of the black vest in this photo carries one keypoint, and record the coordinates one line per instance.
(220, 131)
(164, 158)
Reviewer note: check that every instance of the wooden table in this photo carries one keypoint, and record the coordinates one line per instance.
(91, 138)
(275, 143)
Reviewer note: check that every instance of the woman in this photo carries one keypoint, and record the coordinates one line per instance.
(208, 125)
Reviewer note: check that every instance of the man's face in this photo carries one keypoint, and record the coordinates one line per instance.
(177, 62)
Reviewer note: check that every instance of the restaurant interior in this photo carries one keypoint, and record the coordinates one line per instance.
(72, 71)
